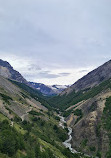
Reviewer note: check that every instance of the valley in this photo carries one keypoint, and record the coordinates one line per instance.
(72, 124)
(29, 125)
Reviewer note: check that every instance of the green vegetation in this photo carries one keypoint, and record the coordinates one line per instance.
(92, 148)
(35, 139)
(35, 113)
(78, 112)
(106, 120)
(107, 114)
(67, 113)
(10, 140)
(84, 143)
(2, 117)
(24, 95)
(6, 98)
(39, 136)
(65, 101)
(33, 93)
(98, 154)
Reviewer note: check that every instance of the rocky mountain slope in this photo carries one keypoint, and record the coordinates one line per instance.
(7, 71)
(92, 79)
(87, 108)
(13, 98)
(87, 84)
(48, 90)
(87, 117)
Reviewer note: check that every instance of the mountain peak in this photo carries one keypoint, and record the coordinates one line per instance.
(5, 63)
(93, 78)
(7, 71)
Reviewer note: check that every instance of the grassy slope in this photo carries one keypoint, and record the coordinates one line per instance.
(39, 138)
(65, 101)
(33, 93)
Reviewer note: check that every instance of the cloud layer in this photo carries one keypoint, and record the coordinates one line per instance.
(55, 41)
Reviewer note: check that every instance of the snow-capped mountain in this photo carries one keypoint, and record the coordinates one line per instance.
(47, 89)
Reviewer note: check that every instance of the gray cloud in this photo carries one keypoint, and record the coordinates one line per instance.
(59, 33)
(34, 67)
(64, 74)
(42, 75)
(47, 75)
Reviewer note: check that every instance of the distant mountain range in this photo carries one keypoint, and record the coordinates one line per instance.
(7, 71)
(48, 90)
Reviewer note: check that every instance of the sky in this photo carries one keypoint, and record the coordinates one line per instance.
(55, 41)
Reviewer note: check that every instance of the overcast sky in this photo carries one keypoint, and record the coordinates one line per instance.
(55, 41)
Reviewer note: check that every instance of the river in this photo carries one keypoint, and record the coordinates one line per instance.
(67, 143)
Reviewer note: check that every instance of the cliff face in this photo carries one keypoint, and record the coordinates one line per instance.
(89, 135)
(92, 79)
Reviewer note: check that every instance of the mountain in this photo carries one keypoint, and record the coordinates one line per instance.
(25, 117)
(92, 79)
(48, 90)
(19, 98)
(90, 114)
(29, 128)
(7, 71)
(86, 105)
(80, 88)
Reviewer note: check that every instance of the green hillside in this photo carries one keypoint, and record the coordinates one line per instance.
(65, 101)
(35, 139)
(37, 95)
(27, 128)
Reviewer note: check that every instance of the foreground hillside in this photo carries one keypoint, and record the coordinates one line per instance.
(28, 126)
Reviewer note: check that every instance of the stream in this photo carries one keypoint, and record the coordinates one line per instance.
(67, 143)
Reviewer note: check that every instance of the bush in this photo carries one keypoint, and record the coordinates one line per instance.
(92, 148)
(35, 113)
(10, 140)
